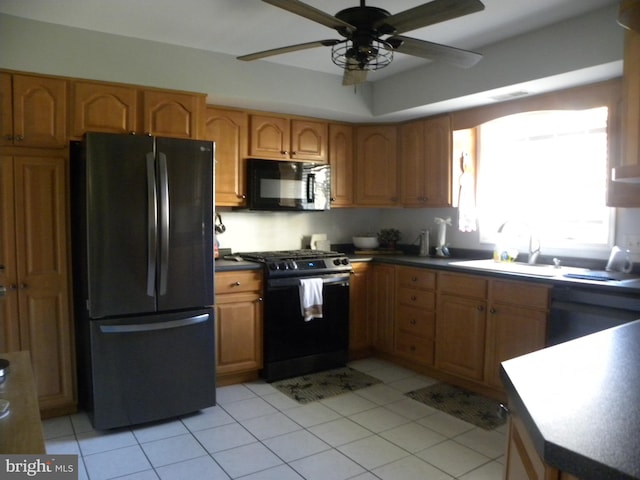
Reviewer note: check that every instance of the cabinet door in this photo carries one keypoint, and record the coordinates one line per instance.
(382, 302)
(9, 322)
(511, 332)
(98, 107)
(412, 164)
(376, 164)
(309, 140)
(39, 111)
(359, 289)
(41, 237)
(170, 114)
(239, 324)
(341, 161)
(437, 154)
(229, 130)
(269, 137)
(460, 336)
(6, 109)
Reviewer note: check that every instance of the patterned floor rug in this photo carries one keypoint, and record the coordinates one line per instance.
(470, 407)
(316, 386)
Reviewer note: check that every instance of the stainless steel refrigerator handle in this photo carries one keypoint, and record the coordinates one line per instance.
(146, 327)
(164, 223)
(152, 228)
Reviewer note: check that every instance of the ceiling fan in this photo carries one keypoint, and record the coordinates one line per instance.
(372, 35)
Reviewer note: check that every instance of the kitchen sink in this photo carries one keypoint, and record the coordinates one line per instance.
(536, 269)
(542, 270)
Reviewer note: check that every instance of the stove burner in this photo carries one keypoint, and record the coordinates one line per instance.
(304, 262)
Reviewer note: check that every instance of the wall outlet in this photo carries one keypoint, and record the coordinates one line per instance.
(631, 241)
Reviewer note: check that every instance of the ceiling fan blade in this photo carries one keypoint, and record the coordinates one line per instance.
(311, 13)
(435, 51)
(290, 48)
(428, 14)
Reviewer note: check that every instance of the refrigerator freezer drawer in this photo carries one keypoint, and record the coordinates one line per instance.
(151, 368)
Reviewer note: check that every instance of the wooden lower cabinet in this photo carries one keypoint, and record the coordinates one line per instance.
(415, 314)
(359, 311)
(238, 326)
(482, 322)
(35, 311)
(461, 325)
(522, 460)
(382, 303)
(516, 323)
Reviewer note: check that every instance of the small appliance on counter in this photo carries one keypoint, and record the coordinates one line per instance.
(619, 260)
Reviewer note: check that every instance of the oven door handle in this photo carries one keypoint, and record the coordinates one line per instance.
(339, 280)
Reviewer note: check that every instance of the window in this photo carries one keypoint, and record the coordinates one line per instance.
(546, 172)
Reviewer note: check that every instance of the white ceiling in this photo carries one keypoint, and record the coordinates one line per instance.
(238, 27)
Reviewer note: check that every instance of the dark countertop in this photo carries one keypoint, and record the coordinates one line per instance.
(580, 402)
(441, 263)
(232, 265)
(445, 263)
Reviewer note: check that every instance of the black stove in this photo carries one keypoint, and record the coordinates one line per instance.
(299, 263)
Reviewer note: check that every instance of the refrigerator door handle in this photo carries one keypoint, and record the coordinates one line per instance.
(147, 327)
(152, 229)
(164, 223)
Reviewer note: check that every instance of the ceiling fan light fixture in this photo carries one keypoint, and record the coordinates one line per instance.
(370, 57)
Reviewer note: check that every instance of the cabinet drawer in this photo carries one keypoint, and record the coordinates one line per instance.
(416, 321)
(416, 278)
(520, 293)
(417, 298)
(239, 281)
(420, 350)
(462, 285)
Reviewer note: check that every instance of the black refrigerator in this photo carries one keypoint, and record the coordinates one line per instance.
(143, 264)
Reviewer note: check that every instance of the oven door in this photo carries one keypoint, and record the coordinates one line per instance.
(293, 346)
(277, 185)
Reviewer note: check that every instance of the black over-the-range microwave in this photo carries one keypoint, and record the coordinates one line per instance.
(279, 185)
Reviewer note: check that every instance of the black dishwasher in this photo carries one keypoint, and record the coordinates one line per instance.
(576, 312)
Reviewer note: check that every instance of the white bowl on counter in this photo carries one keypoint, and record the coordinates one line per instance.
(366, 242)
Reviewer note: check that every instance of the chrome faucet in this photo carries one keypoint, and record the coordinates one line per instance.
(534, 253)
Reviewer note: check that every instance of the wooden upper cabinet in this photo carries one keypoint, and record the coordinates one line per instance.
(99, 107)
(341, 161)
(376, 164)
(172, 114)
(6, 112)
(309, 140)
(269, 137)
(36, 115)
(425, 163)
(282, 138)
(229, 130)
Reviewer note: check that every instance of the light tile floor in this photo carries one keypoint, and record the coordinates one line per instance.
(257, 433)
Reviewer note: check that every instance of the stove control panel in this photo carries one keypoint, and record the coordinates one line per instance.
(307, 266)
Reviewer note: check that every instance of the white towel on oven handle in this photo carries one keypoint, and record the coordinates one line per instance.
(311, 298)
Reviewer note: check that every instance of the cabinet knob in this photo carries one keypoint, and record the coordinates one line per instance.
(480, 308)
(260, 299)
(235, 284)
(413, 298)
(3, 290)
(19, 138)
(414, 279)
(23, 286)
(243, 196)
(492, 310)
(1, 268)
(8, 137)
(413, 322)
